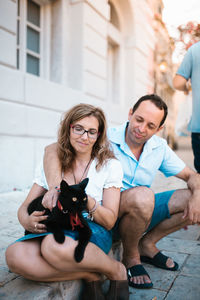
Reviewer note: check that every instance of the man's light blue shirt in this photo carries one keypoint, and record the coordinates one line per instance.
(156, 155)
(190, 68)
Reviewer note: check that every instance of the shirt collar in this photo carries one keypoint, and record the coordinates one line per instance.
(118, 137)
(118, 134)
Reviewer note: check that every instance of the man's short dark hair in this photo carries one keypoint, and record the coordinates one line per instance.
(155, 99)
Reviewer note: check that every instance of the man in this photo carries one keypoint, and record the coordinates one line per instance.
(190, 69)
(144, 218)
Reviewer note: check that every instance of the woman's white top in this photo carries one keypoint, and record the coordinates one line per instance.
(109, 175)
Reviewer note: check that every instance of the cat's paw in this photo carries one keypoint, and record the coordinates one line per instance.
(78, 254)
(60, 238)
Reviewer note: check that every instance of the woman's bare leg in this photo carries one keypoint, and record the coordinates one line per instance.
(61, 256)
(24, 258)
(50, 261)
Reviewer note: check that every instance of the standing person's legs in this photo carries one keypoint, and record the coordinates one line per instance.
(196, 150)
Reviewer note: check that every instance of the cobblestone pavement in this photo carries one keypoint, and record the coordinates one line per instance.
(183, 246)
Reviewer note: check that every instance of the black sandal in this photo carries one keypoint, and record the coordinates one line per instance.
(138, 270)
(159, 260)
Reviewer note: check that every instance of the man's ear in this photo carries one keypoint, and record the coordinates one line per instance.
(130, 113)
(160, 128)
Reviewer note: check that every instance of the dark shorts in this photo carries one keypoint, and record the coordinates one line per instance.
(160, 213)
(100, 236)
(196, 150)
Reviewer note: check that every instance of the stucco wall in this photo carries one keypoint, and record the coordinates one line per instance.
(75, 70)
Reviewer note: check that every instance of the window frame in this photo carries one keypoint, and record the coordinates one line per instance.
(21, 48)
(115, 42)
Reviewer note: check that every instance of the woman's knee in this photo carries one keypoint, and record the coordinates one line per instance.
(139, 200)
(22, 257)
(14, 255)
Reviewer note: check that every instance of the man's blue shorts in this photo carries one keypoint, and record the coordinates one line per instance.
(161, 209)
(160, 213)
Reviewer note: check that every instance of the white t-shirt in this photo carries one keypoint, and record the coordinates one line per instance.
(109, 175)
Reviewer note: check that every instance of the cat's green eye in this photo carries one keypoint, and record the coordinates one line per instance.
(84, 199)
(74, 199)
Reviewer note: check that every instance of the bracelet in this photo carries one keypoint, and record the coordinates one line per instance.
(92, 211)
(57, 189)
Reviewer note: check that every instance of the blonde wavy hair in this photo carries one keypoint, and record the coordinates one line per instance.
(101, 149)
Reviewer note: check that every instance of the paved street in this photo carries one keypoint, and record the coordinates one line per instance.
(183, 246)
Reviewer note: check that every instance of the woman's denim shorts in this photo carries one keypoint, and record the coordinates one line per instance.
(100, 236)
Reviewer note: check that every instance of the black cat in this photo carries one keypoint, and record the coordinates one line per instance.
(67, 214)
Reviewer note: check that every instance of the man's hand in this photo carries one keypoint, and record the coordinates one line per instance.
(192, 210)
(50, 198)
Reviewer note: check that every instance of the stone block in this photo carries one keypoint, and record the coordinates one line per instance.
(184, 288)
(95, 41)
(18, 154)
(95, 20)
(23, 289)
(101, 6)
(95, 86)
(180, 246)
(41, 123)
(11, 78)
(6, 276)
(95, 64)
(8, 8)
(8, 48)
(46, 94)
(28, 121)
(192, 267)
(148, 294)
(13, 119)
(192, 232)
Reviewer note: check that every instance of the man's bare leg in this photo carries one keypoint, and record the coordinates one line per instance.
(176, 205)
(136, 208)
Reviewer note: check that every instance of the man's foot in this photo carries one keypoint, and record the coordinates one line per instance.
(149, 251)
(138, 277)
(160, 260)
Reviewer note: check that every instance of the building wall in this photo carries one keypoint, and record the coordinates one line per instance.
(74, 68)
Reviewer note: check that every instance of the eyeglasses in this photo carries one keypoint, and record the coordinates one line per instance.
(79, 130)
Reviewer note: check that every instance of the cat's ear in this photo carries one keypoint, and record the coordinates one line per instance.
(84, 183)
(63, 185)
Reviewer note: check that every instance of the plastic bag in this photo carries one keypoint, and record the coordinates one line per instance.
(184, 116)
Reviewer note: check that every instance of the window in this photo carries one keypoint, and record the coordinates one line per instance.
(114, 56)
(28, 36)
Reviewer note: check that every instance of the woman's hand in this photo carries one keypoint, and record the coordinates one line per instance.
(50, 198)
(33, 224)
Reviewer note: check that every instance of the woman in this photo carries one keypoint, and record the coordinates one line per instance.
(83, 151)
